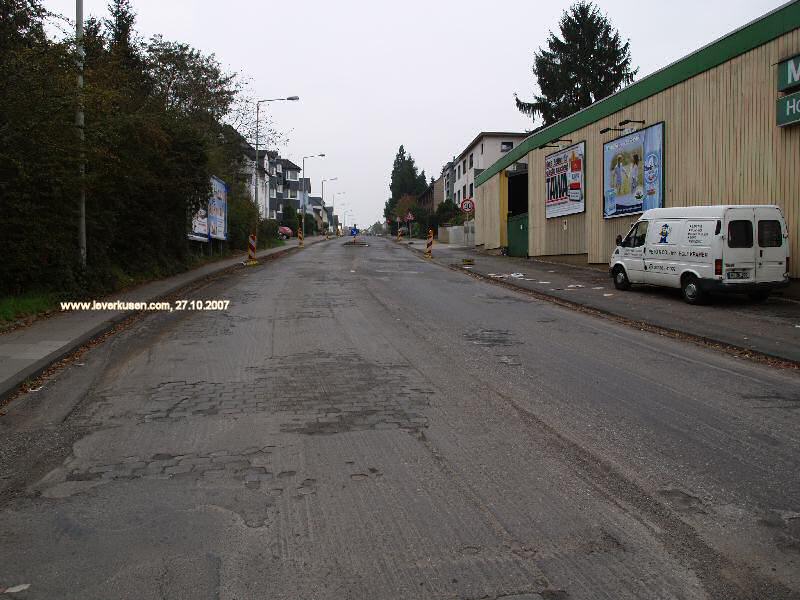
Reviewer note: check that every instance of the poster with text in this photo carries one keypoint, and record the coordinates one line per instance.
(199, 230)
(633, 172)
(564, 180)
(218, 210)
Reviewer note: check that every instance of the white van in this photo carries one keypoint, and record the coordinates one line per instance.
(742, 249)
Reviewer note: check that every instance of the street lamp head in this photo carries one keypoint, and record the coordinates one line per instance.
(293, 98)
(321, 155)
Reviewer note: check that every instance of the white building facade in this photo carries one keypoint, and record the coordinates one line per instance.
(483, 151)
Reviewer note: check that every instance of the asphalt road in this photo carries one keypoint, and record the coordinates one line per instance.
(363, 424)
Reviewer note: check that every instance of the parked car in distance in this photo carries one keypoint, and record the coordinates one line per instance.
(702, 250)
(285, 233)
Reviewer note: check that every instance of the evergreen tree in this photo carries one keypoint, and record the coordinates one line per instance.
(587, 63)
(406, 179)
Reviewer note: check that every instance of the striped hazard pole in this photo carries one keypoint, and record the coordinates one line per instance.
(251, 247)
(300, 236)
(429, 247)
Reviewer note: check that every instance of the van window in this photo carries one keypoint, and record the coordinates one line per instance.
(769, 234)
(636, 236)
(640, 234)
(740, 234)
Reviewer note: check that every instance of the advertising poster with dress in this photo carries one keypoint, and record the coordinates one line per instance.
(633, 172)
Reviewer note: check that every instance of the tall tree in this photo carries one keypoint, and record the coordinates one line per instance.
(588, 62)
(405, 179)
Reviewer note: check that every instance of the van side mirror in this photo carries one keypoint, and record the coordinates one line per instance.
(619, 240)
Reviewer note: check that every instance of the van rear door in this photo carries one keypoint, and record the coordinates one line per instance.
(771, 244)
(739, 253)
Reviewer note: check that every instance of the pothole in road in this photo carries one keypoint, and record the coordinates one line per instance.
(490, 338)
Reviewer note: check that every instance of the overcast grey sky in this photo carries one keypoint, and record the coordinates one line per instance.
(372, 75)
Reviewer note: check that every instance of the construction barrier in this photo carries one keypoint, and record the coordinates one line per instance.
(429, 247)
(251, 247)
(300, 237)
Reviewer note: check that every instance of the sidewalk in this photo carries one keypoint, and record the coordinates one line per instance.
(28, 351)
(771, 328)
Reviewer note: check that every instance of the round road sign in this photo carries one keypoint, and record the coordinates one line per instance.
(468, 205)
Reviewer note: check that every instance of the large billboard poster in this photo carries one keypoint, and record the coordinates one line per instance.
(218, 210)
(564, 171)
(633, 172)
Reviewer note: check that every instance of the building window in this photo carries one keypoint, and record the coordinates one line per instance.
(481, 147)
(464, 166)
(471, 190)
(464, 191)
(470, 161)
(280, 208)
(292, 193)
(272, 192)
(280, 168)
(506, 146)
(291, 175)
(459, 172)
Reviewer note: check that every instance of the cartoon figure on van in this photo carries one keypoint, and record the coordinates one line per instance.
(664, 233)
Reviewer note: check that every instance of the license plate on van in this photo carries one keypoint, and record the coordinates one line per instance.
(737, 275)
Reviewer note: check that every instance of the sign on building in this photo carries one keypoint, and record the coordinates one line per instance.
(788, 109)
(633, 172)
(218, 210)
(564, 175)
(789, 74)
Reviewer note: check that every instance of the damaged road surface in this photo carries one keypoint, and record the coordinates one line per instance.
(363, 424)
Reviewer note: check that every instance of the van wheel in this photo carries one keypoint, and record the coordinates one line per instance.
(758, 296)
(692, 293)
(621, 281)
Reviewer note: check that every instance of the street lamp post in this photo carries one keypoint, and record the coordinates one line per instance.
(255, 167)
(333, 207)
(305, 194)
(323, 188)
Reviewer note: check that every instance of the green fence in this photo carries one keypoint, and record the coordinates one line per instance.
(518, 235)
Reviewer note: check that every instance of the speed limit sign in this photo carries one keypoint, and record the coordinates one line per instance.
(468, 206)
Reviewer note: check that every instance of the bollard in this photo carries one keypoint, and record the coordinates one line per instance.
(251, 251)
(399, 234)
(300, 237)
(429, 247)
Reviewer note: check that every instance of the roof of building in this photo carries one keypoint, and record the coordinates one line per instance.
(754, 34)
(287, 164)
(510, 134)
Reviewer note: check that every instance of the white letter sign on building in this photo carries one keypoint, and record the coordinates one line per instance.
(789, 74)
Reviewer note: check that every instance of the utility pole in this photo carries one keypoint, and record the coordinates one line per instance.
(79, 123)
(255, 164)
(323, 189)
(303, 183)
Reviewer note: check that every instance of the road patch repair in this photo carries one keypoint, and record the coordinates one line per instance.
(762, 332)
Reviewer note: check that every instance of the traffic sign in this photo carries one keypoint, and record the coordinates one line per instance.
(354, 231)
(409, 216)
(468, 205)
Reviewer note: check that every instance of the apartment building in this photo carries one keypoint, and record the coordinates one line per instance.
(480, 153)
